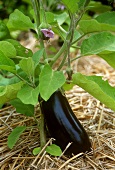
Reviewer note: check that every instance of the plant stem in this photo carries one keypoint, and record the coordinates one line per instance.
(62, 49)
(36, 7)
(63, 61)
(42, 132)
(73, 59)
(69, 40)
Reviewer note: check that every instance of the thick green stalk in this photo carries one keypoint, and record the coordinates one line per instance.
(62, 49)
(36, 7)
(63, 61)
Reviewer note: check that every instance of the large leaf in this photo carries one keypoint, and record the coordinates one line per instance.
(14, 135)
(103, 22)
(20, 49)
(19, 21)
(98, 43)
(98, 7)
(6, 63)
(50, 81)
(9, 92)
(28, 95)
(72, 6)
(8, 49)
(26, 109)
(27, 65)
(90, 26)
(109, 58)
(107, 17)
(97, 87)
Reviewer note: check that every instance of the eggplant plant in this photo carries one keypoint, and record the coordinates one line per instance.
(34, 74)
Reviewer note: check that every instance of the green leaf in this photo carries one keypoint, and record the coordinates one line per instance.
(20, 49)
(109, 58)
(90, 26)
(36, 151)
(98, 43)
(54, 150)
(37, 56)
(50, 81)
(19, 21)
(14, 136)
(83, 3)
(103, 22)
(68, 86)
(6, 63)
(28, 95)
(26, 109)
(72, 6)
(4, 32)
(8, 49)
(97, 87)
(3, 81)
(9, 92)
(27, 65)
(107, 17)
(61, 18)
(98, 7)
(50, 17)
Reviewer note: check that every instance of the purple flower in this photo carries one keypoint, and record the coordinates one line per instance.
(48, 33)
(60, 6)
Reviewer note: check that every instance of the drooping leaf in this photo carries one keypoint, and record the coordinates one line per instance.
(8, 49)
(36, 151)
(50, 81)
(98, 43)
(98, 7)
(20, 49)
(28, 95)
(92, 25)
(14, 136)
(97, 87)
(6, 63)
(103, 22)
(107, 17)
(19, 21)
(27, 65)
(72, 6)
(26, 109)
(9, 92)
(54, 150)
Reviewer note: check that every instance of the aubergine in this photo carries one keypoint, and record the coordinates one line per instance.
(63, 125)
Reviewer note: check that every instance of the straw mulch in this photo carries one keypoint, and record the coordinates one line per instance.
(97, 119)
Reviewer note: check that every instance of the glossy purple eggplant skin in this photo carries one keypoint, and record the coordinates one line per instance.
(63, 124)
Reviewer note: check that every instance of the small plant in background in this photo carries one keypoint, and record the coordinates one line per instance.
(33, 74)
